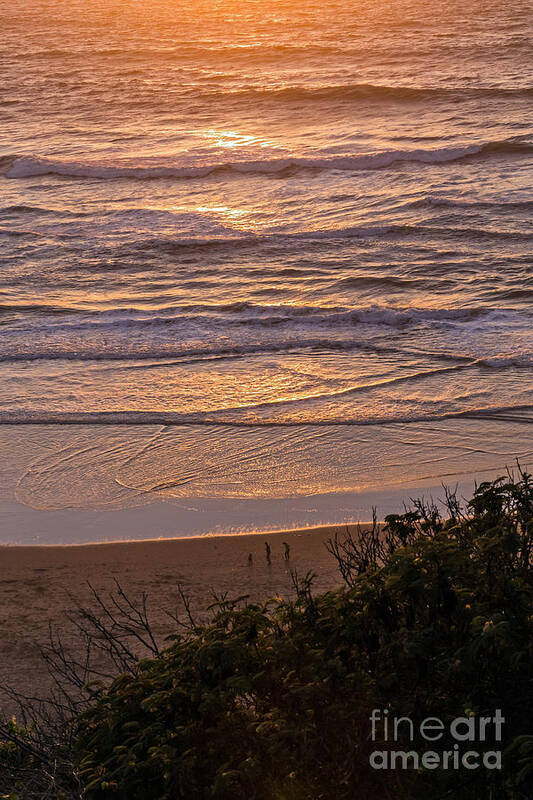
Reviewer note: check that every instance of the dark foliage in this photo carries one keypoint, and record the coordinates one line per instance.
(273, 702)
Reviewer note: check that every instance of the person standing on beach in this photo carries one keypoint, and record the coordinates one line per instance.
(268, 552)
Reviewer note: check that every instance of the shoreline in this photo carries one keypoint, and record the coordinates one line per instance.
(66, 488)
(330, 528)
(176, 519)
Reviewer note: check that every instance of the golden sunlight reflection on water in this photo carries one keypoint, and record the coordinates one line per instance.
(109, 467)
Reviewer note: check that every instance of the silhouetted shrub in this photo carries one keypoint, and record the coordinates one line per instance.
(273, 702)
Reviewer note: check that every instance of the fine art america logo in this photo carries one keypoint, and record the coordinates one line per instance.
(471, 742)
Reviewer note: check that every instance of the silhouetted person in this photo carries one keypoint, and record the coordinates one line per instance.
(250, 560)
(287, 551)
(268, 552)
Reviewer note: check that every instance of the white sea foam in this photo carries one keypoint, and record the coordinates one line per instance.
(250, 314)
(31, 166)
(28, 166)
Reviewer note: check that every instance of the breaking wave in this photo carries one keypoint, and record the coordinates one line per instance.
(372, 92)
(189, 333)
(31, 166)
(517, 414)
(245, 313)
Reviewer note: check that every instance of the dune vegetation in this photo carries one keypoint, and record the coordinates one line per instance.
(273, 701)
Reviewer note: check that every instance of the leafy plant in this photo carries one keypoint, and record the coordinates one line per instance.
(272, 701)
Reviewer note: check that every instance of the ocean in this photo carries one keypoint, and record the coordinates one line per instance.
(255, 255)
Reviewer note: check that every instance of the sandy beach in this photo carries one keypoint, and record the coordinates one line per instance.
(38, 585)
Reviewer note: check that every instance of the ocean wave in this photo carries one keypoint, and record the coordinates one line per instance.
(503, 361)
(252, 314)
(188, 334)
(161, 356)
(516, 293)
(366, 282)
(30, 166)
(469, 205)
(367, 91)
(23, 209)
(209, 50)
(26, 209)
(181, 49)
(172, 246)
(170, 354)
(225, 92)
(33, 308)
(516, 414)
(232, 240)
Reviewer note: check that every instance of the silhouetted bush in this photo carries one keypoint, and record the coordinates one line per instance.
(273, 702)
